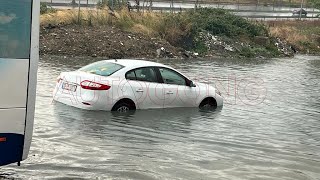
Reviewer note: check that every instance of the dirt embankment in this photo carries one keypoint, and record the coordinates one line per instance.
(111, 42)
(102, 41)
(123, 34)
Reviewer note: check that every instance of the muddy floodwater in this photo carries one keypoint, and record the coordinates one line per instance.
(269, 128)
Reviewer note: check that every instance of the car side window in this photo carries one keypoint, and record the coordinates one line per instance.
(171, 77)
(131, 75)
(143, 74)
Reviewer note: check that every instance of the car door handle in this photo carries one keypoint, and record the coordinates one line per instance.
(169, 92)
(139, 90)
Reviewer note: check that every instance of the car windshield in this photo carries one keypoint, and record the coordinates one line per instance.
(102, 68)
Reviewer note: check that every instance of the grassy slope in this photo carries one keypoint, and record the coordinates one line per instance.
(182, 29)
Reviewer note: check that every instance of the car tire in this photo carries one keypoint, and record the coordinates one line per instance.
(122, 107)
(208, 104)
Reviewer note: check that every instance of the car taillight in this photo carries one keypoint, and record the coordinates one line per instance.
(94, 85)
(3, 139)
(59, 79)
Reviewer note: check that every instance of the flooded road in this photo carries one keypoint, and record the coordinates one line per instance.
(269, 128)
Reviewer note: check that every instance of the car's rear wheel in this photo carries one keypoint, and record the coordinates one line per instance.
(124, 105)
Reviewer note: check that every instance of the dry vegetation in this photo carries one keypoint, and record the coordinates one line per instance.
(145, 23)
(103, 33)
(304, 35)
(180, 30)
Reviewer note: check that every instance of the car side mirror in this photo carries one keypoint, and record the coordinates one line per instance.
(191, 84)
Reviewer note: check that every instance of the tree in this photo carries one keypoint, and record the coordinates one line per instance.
(315, 3)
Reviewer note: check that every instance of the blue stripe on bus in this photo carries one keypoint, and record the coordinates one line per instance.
(11, 148)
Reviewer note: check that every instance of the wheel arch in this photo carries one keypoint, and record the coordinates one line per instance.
(125, 100)
(210, 99)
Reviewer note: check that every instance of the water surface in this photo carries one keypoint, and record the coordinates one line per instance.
(267, 129)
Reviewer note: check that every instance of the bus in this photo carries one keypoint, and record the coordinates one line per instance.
(19, 55)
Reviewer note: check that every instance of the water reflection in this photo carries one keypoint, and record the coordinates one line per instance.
(176, 120)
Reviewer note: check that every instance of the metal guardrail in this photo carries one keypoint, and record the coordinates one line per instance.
(278, 17)
(239, 12)
(70, 5)
(269, 3)
(221, 2)
(177, 9)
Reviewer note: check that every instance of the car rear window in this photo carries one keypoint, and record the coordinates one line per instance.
(102, 68)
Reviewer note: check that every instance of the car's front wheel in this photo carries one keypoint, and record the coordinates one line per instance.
(208, 103)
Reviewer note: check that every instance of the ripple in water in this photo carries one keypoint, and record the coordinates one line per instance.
(268, 129)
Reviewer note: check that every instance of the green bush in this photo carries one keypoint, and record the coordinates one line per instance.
(222, 22)
(179, 28)
(115, 4)
(247, 52)
(315, 3)
(252, 52)
(45, 9)
(176, 29)
(200, 47)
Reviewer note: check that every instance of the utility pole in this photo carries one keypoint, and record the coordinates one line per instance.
(273, 5)
(196, 4)
(301, 9)
(172, 5)
(79, 12)
(238, 4)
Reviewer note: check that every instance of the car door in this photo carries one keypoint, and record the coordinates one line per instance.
(144, 83)
(177, 92)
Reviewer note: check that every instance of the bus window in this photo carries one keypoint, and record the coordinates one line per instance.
(15, 27)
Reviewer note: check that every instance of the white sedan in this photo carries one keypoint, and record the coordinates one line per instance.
(122, 85)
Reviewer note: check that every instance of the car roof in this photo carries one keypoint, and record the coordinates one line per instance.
(298, 10)
(135, 63)
(130, 64)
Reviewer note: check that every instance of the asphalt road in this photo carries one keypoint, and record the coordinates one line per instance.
(251, 11)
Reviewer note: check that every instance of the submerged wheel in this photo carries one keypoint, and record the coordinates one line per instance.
(124, 105)
(208, 103)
